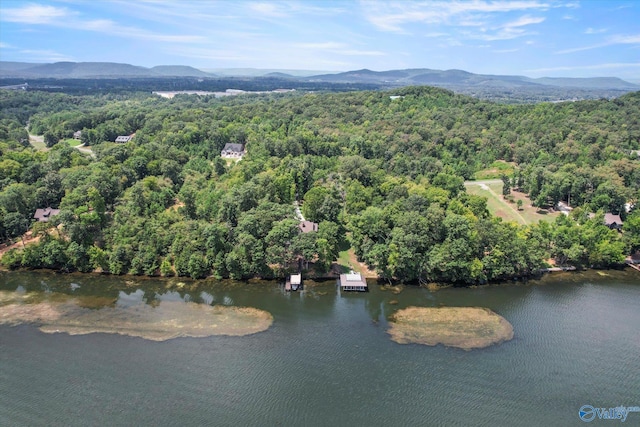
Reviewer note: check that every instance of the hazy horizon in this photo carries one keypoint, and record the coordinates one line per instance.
(529, 38)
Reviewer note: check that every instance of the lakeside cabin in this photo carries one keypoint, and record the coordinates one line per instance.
(43, 215)
(293, 283)
(353, 282)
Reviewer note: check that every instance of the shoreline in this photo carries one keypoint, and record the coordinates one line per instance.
(431, 285)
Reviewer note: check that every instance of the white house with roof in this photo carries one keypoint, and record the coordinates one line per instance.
(124, 138)
(233, 151)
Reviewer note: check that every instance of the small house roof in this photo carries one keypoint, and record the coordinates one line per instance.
(307, 226)
(233, 147)
(44, 214)
(610, 219)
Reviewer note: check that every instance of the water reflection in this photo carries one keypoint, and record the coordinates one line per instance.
(207, 298)
(129, 300)
(323, 346)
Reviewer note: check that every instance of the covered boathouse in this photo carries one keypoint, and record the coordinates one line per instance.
(294, 282)
(353, 282)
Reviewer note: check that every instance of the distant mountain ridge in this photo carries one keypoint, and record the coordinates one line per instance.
(81, 70)
(392, 78)
(425, 76)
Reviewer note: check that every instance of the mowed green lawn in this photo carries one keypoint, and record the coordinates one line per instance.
(73, 142)
(492, 190)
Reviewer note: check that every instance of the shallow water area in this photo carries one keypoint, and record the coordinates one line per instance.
(165, 316)
(462, 327)
(326, 359)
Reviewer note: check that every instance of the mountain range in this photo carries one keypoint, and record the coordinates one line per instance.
(425, 76)
(391, 78)
(81, 70)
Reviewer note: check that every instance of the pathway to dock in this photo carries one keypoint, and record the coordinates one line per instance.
(298, 211)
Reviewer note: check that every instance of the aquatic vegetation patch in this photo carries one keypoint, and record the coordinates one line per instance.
(160, 322)
(461, 327)
(394, 289)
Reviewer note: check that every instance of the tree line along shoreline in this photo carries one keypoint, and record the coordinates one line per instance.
(380, 172)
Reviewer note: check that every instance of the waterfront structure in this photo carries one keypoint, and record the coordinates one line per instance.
(353, 282)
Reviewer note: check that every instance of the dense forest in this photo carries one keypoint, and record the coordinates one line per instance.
(380, 171)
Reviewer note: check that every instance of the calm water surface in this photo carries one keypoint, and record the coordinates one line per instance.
(327, 359)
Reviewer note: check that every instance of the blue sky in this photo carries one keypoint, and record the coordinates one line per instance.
(534, 38)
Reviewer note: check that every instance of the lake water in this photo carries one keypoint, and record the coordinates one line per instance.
(327, 359)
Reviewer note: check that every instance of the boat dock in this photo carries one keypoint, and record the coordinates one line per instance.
(353, 282)
(293, 283)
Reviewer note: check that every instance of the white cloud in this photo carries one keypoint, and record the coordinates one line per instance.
(435, 35)
(620, 39)
(355, 52)
(208, 54)
(580, 49)
(393, 16)
(525, 20)
(606, 66)
(4, 45)
(326, 45)
(595, 30)
(270, 10)
(338, 48)
(45, 55)
(35, 14)
(507, 30)
(110, 27)
(62, 17)
(610, 41)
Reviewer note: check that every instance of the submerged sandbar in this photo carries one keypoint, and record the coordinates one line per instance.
(461, 327)
(164, 321)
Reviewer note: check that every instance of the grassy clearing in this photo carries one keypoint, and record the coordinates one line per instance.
(492, 190)
(461, 327)
(347, 261)
(37, 142)
(72, 142)
(344, 261)
(495, 170)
